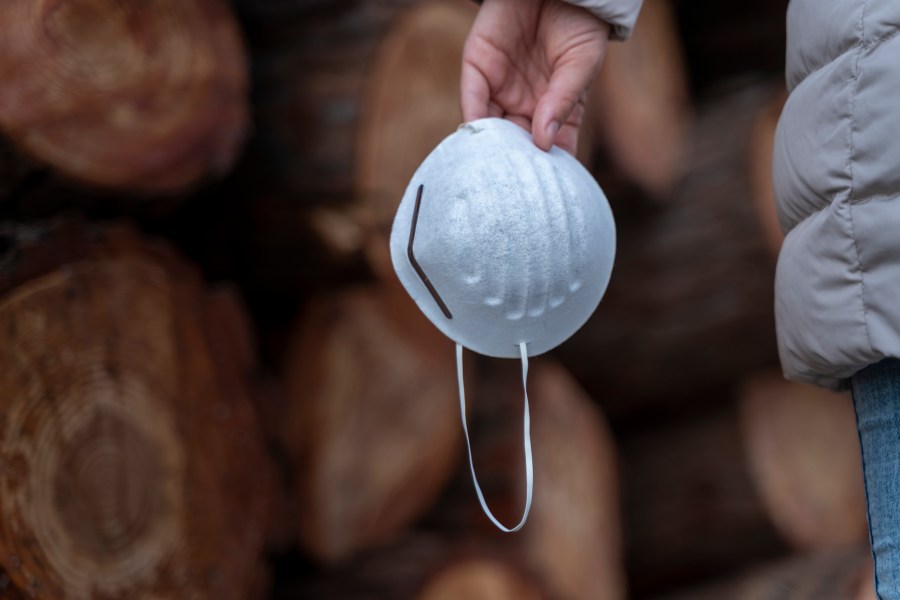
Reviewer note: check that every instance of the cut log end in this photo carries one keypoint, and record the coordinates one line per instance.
(373, 424)
(123, 458)
(803, 453)
(108, 486)
(147, 97)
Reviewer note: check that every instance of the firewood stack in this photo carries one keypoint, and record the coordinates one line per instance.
(213, 386)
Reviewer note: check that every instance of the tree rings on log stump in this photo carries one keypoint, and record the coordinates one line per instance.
(374, 421)
(803, 453)
(139, 96)
(129, 470)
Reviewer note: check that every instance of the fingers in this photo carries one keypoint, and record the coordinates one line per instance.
(553, 117)
(475, 93)
(532, 67)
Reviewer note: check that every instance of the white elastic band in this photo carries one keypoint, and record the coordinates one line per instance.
(526, 429)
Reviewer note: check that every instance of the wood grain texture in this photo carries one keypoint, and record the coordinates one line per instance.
(373, 424)
(133, 467)
(803, 453)
(146, 96)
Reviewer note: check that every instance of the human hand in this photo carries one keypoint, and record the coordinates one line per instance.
(531, 61)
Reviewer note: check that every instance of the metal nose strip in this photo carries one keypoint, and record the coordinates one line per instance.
(415, 263)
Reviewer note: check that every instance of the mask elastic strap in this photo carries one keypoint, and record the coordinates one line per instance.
(526, 429)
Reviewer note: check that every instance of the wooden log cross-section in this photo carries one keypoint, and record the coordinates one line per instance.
(803, 453)
(373, 424)
(146, 96)
(132, 462)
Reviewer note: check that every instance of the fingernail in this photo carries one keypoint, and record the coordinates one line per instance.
(552, 130)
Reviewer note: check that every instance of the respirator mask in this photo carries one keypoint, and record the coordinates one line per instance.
(506, 248)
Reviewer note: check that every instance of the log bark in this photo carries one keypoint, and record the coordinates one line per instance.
(146, 97)
(691, 510)
(128, 443)
(373, 424)
(689, 307)
(835, 574)
(804, 457)
(640, 107)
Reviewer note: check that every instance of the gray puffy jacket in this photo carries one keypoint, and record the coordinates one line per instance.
(621, 14)
(837, 180)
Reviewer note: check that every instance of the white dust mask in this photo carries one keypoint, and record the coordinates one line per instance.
(506, 248)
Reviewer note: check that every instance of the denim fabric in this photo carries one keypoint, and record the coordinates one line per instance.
(876, 397)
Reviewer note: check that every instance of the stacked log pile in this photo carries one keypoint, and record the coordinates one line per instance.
(254, 407)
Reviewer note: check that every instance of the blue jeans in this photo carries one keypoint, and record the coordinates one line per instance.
(876, 397)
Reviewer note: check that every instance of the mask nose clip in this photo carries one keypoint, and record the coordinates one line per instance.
(415, 264)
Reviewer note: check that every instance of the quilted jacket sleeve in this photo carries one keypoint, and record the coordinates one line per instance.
(621, 14)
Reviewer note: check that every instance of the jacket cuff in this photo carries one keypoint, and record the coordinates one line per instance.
(620, 14)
